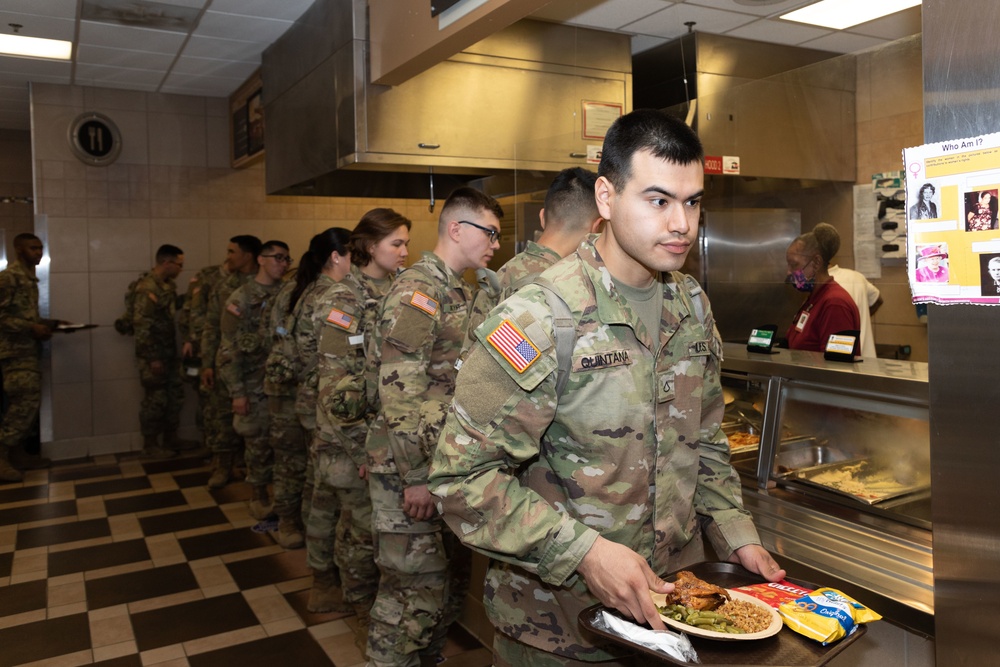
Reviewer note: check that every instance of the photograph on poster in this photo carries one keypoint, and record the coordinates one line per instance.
(932, 263)
(924, 206)
(990, 274)
(981, 210)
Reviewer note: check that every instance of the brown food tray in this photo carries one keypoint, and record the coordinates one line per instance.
(785, 649)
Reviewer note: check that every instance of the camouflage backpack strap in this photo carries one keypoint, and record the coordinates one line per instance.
(564, 330)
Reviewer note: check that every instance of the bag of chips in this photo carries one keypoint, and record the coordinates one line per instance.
(774, 593)
(826, 615)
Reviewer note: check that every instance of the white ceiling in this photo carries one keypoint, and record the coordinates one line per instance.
(220, 44)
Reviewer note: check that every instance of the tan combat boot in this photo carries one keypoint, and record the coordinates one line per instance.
(260, 502)
(7, 472)
(326, 595)
(152, 451)
(222, 470)
(288, 534)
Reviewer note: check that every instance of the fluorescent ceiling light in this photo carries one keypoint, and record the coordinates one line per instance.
(840, 14)
(35, 47)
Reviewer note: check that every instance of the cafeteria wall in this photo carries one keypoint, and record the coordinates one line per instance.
(15, 186)
(171, 184)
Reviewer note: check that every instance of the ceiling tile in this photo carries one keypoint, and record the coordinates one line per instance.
(209, 67)
(894, 26)
(756, 7)
(642, 43)
(135, 39)
(286, 10)
(234, 26)
(778, 32)
(601, 15)
(37, 26)
(669, 23)
(56, 8)
(223, 49)
(843, 42)
(141, 79)
(99, 55)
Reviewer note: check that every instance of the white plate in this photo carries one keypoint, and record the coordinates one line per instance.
(772, 629)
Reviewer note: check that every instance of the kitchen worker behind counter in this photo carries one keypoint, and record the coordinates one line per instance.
(828, 308)
(586, 495)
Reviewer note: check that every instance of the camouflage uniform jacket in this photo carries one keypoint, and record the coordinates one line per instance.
(244, 326)
(419, 337)
(631, 451)
(280, 374)
(306, 334)
(18, 311)
(347, 313)
(218, 296)
(153, 318)
(191, 319)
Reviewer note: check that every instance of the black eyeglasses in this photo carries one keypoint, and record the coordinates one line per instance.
(280, 258)
(494, 234)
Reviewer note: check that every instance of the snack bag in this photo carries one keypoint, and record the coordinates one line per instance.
(774, 594)
(826, 615)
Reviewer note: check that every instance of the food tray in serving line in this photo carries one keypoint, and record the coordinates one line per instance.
(784, 648)
(862, 480)
(659, 599)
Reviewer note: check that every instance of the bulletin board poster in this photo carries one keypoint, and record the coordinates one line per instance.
(953, 240)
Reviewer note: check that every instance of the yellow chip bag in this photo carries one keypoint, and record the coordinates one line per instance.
(826, 615)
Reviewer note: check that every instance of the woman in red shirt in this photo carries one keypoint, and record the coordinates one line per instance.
(828, 308)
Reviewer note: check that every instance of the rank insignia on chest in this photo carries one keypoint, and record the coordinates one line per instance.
(424, 303)
(515, 348)
(234, 309)
(340, 318)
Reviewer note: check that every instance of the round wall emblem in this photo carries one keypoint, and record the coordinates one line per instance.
(95, 139)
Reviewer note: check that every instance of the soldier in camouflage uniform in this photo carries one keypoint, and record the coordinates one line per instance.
(585, 495)
(222, 440)
(418, 339)
(569, 214)
(21, 334)
(153, 320)
(240, 365)
(347, 312)
(191, 322)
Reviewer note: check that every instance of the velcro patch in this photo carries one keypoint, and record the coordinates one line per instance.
(699, 348)
(508, 340)
(234, 309)
(340, 318)
(424, 303)
(599, 360)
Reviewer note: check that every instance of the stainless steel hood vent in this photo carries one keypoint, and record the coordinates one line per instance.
(511, 101)
(785, 111)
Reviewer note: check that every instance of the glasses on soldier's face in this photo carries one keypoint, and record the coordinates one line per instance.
(279, 258)
(494, 234)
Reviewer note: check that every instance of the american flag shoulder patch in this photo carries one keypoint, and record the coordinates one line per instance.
(513, 346)
(234, 309)
(424, 303)
(340, 318)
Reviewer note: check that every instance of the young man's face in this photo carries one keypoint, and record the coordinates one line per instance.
(30, 251)
(477, 246)
(174, 266)
(273, 263)
(237, 259)
(654, 219)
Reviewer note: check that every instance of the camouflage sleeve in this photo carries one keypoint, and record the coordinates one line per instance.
(495, 425)
(210, 335)
(408, 333)
(12, 318)
(197, 306)
(229, 359)
(307, 330)
(147, 303)
(718, 494)
(184, 313)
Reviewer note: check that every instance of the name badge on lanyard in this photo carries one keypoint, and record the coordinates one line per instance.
(801, 324)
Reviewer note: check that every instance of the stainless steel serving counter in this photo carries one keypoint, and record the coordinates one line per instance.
(878, 552)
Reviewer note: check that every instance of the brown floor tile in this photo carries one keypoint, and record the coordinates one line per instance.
(125, 661)
(110, 486)
(62, 533)
(223, 542)
(60, 474)
(96, 558)
(135, 586)
(40, 512)
(173, 465)
(19, 598)
(193, 620)
(44, 639)
(22, 493)
(234, 492)
(144, 502)
(177, 521)
(291, 648)
(187, 480)
(273, 569)
(6, 561)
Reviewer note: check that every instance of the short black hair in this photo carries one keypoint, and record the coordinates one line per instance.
(570, 200)
(666, 137)
(167, 251)
(469, 200)
(274, 244)
(248, 243)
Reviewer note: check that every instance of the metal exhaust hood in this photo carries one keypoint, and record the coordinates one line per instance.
(509, 102)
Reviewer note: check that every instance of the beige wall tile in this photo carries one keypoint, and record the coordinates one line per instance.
(107, 293)
(119, 245)
(116, 406)
(72, 415)
(177, 140)
(70, 355)
(69, 297)
(67, 245)
(52, 144)
(113, 355)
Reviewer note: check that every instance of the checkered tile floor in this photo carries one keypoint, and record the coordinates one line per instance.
(126, 563)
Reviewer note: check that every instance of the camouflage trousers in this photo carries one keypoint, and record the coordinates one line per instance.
(218, 420)
(339, 526)
(509, 652)
(425, 573)
(255, 430)
(163, 395)
(22, 386)
(290, 457)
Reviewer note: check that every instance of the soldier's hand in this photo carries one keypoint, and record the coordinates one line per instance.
(187, 350)
(756, 559)
(418, 502)
(621, 579)
(207, 378)
(157, 367)
(363, 471)
(41, 332)
(241, 406)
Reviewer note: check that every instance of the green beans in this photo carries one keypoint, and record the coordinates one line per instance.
(701, 619)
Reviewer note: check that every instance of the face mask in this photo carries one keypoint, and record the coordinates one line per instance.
(800, 282)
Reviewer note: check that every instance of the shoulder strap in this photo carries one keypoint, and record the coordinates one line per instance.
(564, 330)
(691, 293)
